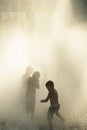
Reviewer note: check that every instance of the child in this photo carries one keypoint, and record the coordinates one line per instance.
(32, 85)
(54, 104)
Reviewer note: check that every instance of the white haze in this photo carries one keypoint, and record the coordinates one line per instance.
(51, 41)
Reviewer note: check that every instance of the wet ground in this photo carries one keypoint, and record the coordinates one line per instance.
(25, 125)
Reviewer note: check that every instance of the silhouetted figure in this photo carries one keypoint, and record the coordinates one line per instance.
(32, 85)
(54, 104)
(25, 77)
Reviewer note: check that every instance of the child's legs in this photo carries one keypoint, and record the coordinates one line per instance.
(32, 113)
(32, 107)
(28, 109)
(49, 117)
(58, 114)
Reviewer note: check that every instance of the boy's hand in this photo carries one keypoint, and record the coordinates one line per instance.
(42, 100)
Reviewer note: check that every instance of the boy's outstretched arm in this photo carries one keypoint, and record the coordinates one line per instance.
(45, 100)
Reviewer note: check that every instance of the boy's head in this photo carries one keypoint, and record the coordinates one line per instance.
(36, 74)
(49, 84)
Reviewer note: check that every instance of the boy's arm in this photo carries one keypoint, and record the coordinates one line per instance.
(45, 100)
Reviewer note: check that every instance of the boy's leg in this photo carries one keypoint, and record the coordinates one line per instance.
(32, 109)
(49, 117)
(62, 119)
(27, 109)
(58, 114)
(32, 113)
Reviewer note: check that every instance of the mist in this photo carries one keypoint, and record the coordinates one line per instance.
(51, 37)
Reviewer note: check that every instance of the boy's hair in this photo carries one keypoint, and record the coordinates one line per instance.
(51, 83)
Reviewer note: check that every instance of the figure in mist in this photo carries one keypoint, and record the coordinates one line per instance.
(25, 77)
(32, 85)
(54, 104)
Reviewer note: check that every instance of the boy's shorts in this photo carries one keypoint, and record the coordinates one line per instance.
(54, 108)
